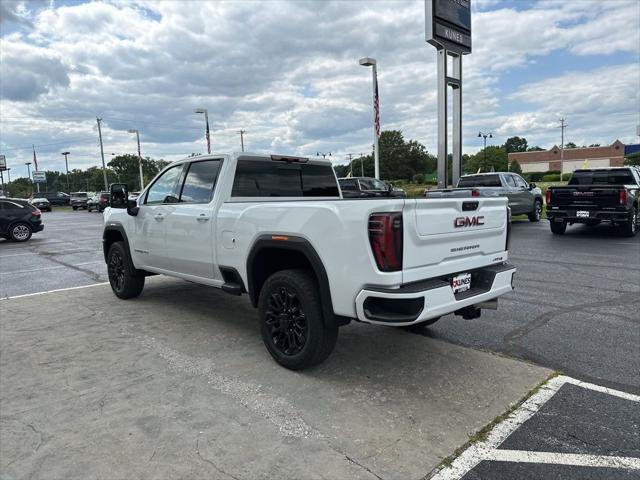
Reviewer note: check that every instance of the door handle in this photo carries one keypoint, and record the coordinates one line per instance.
(159, 217)
(202, 218)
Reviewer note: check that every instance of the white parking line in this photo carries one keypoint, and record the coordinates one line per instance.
(488, 449)
(18, 272)
(53, 291)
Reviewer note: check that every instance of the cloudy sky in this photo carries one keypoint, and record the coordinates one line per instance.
(288, 74)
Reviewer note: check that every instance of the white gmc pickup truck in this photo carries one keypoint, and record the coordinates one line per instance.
(278, 229)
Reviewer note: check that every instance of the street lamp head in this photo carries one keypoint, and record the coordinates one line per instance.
(367, 61)
(490, 135)
(133, 130)
(479, 134)
(65, 153)
(200, 110)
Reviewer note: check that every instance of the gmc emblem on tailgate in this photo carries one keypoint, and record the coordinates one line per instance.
(468, 221)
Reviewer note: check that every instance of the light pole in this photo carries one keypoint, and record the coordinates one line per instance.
(206, 132)
(66, 164)
(133, 130)
(242, 132)
(485, 135)
(323, 155)
(371, 62)
(9, 175)
(28, 164)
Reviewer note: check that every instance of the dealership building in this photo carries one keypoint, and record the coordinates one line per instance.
(573, 158)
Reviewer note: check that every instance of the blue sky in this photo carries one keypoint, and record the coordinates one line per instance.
(288, 74)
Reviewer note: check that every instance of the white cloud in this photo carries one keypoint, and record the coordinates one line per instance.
(288, 73)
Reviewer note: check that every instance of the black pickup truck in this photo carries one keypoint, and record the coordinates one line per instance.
(597, 195)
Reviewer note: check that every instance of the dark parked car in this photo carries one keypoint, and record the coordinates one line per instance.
(597, 195)
(42, 203)
(79, 200)
(366, 187)
(19, 219)
(55, 198)
(98, 202)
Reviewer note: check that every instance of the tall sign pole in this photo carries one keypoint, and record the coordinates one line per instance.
(448, 28)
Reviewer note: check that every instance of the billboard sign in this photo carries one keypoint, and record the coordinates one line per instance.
(3, 162)
(448, 24)
(39, 177)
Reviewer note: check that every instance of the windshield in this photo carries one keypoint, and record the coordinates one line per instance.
(372, 184)
(79, 194)
(620, 176)
(479, 181)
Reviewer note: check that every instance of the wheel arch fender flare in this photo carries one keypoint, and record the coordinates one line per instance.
(112, 233)
(302, 246)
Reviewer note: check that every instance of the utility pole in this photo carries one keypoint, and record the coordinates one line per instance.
(133, 130)
(242, 132)
(104, 168)
(323, 155)
(66, 164)
(350, 155)
(562, 127)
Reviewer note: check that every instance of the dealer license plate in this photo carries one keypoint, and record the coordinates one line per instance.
(461, 282)
(582, 213)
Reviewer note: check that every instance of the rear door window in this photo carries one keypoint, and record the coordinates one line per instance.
(200, 182)
(510, 181)
(349, 185)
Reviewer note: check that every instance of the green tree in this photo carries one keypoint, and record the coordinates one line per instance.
(495, 159)
(125, 169)
(515, 144)
(535, 149)
(570, 145)
(632, 159)
(515, 167)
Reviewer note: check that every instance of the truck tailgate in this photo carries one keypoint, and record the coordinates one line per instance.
(449, 235)
(586, 197)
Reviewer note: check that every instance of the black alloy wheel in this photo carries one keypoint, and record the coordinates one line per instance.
(286, 322)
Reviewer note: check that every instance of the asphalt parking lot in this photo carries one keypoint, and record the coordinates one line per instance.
(179, 385)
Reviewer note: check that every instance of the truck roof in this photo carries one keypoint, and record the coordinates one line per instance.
(256, 156)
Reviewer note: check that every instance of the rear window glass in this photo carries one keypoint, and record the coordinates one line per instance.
(479, 181)
(602, 177)
(279, 179)
(348, 184)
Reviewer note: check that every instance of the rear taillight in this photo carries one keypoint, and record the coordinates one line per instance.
(548, 197)
(475, 192)
(506, 246)
(385, 237)
(36, 212)
(103, 201)
(622, 197)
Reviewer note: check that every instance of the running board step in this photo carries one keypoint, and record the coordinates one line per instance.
(232, 288)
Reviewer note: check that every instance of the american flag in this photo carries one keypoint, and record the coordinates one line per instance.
(35, 160)
(376, 108)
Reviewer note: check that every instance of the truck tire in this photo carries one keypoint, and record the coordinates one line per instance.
(558, 228)
(291, 320)
(20, 232)
(630, 228)
(75, 208)
(420, 327)
(124, 282)
(536, 215)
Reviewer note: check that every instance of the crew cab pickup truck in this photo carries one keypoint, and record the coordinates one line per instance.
(524, 198)
(277, 228)
(597, 195)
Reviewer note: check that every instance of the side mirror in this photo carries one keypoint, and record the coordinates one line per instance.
(390, 188)
(532, 186)
(119, 194)
(120, 198)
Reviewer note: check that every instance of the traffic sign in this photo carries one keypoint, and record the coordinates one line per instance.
(39, 177)
(448, 24)
(3, 162)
